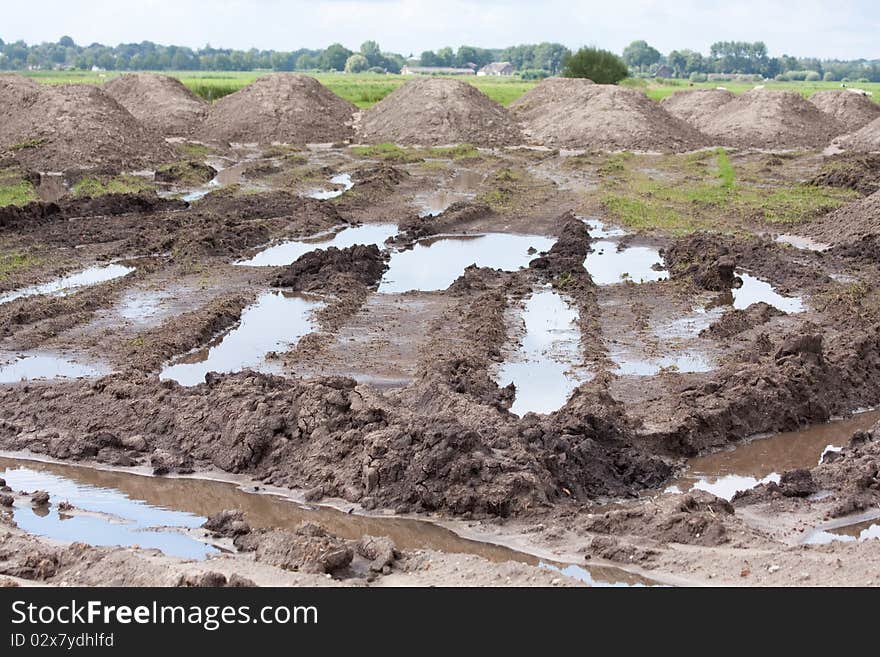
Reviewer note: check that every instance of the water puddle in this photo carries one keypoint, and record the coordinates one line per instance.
(275, 322)
(286, 253)
(542, 369)
(342, 181)
(845, 531)
(689, 362)
(754, 290)
(225, 176)
(184, 502)
(103, 516)
(803, 243)
(599, 230)
(764, 459)
(462, 187)
(435, 263)
(46, 366)
(638, 264)
(71, 283)
(141, 306)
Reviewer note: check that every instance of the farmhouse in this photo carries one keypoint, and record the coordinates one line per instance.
(497, 68)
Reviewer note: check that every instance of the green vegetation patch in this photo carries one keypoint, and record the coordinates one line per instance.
(389, 152)
(194, 151)
(12, 262)
(15, 189)
(92, 186)
(36, 142)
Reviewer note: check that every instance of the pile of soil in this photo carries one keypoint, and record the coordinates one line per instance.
(575, 113)
(437, 112)
(159, 102)
(851, 109)
(61, 127)
(856, 171)
(334, 268)
(849, 222)
(865, 140)
(763, 118)
(282, 107)
(696, 106)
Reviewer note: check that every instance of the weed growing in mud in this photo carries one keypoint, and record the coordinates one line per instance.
(389, 152)
(857, 299)
(726, 172)
(20, 192)
(98, 186)
(615, 164)
(28, 143)
(12, 262)
(802, 203)
(563, 280)
(193, 151)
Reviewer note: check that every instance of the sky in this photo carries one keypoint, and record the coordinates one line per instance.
(843, 29)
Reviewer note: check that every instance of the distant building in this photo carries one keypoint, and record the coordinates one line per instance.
(664, 72)
(497, 68)
(435, 70)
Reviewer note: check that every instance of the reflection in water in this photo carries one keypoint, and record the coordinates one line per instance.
(638, 264)
(198, 498)
(69, 284)
(46, 366)
(343, 180)
(682, 363)
(113, 518)
(543, 368)
(754, 290)
(434, 264)
(275, 322)
(286, 253)
(462, 188)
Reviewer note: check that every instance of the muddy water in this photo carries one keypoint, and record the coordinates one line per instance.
(46, 366)
(754, 290)
(543, 368)
(765, 459)
(286, 253)
(275, 322)
(803, 243)
(71, 283)
(688, 362)
(344, 183)
(462, 187)
(103, 516)
(600, 230)
(435, 263)
(608, 265)
(193, 499)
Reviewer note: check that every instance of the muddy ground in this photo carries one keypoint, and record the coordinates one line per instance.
(391, 400)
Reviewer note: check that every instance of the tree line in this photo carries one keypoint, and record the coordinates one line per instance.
(530, 60)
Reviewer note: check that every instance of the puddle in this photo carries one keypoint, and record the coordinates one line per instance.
(803, 243)
(46, 366)
(286, 253)
(192, 499)
(342, 179)
(689, 362)
(462, 187)
(111, 517)
(542, 368)
(743, 467)
(225, 176)
(608, 266)
(847, 530)
(275, 322)
(600, 230)
(141, 306)
(435, 263)
(69, 284)
(754, 290)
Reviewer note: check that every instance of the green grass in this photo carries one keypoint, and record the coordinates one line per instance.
(20, 192)
(36, 142)
(726, 172)
(98, 186)
(389, 152)
(12, 262)
(660, 89)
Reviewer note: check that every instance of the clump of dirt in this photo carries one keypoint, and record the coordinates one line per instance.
(566, 257)
(770, 118)
(850, 171)
(228, 202)
(309, 549)
(188, 172)
(853, 110)
(282, 107)
(159, 102)
(60, 127)
(575, 113)
(734, 322)
(864, 140)
(414, 228)
(704, 259)
(437, 112)
(333, 268)
(696, 106)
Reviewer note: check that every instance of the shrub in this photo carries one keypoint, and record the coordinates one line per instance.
(698, 77)
(829, 76)
(600, 66)
(812, 76)
(534, 74)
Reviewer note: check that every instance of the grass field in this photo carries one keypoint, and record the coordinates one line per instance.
(366, 89)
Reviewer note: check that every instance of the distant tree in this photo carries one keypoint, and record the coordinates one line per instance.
(357, 63)
(430, 58)
(446, 57)
(371, 50)
(306, 62)
(600, 66)
(66, 42)
(334, 57)
(640, 55)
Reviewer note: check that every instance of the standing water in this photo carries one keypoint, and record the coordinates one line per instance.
(344, 182)
(286, 253)
(69, 284)
(46, 366)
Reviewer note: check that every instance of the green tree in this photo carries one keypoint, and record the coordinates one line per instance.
(640, 55)
(600, 66)
(357, 63)
(334, 57)
(372, 52)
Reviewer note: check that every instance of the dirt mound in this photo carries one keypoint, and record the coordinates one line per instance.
(60, 127)
(851, 109)
(578, 114)
(856, 171)
(865, 140)
(696, 106)
(850, 222)
(159, 102)
(282, 107)
(763, 118)
(436, 112)
(334, 268)
(39, 212)
(734, 322)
